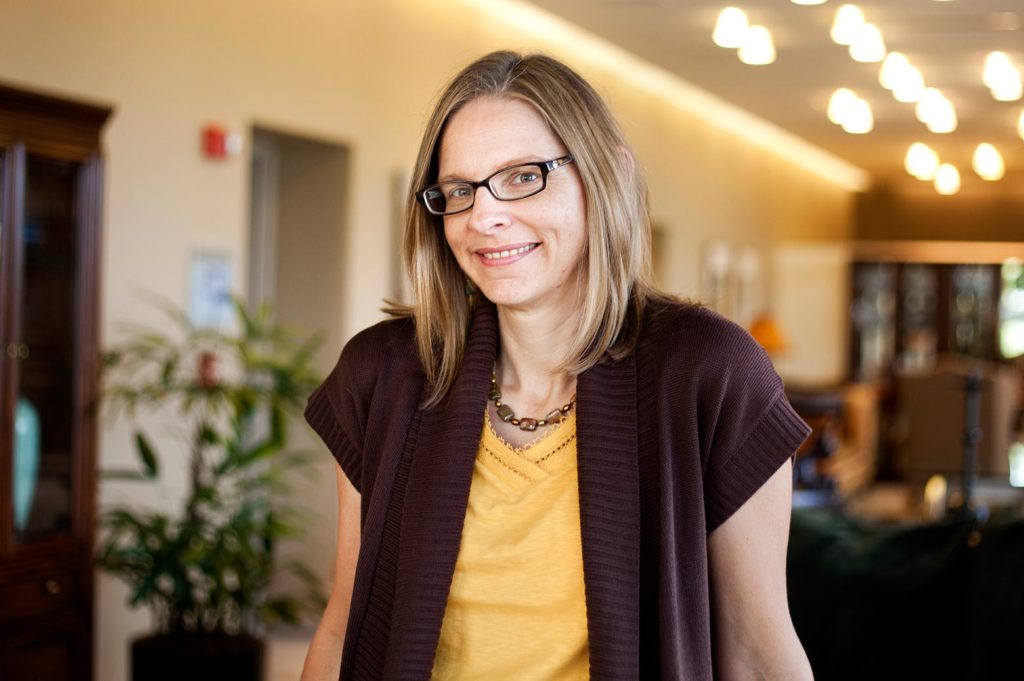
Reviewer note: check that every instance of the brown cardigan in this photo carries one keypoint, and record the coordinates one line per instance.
(671, 441)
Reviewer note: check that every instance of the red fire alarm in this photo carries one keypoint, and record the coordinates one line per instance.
(218, 143)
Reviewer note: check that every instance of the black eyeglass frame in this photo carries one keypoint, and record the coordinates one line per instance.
(545, 168)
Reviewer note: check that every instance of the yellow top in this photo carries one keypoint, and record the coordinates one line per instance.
(516, 609)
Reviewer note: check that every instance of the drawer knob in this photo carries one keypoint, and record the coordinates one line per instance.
(52, 587)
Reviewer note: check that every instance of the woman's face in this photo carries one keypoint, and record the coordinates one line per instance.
(544, 235)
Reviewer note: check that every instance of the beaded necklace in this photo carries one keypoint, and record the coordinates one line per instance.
(506, 414)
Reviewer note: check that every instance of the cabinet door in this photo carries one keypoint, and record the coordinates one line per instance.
(53, 649)
(41, 349)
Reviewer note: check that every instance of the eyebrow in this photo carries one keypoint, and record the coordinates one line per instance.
(511, 163)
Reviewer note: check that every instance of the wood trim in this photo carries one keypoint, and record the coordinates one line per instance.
(50, 126)
(10, 267)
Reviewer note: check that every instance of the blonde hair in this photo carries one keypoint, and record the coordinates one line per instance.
(615, 276)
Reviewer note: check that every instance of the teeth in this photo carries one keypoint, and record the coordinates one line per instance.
(514, 251)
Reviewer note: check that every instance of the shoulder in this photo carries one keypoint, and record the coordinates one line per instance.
(690, 330)
(386, 348)
(384, 340)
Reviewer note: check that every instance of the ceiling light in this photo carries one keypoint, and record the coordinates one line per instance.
(839, 103)
(868, 45)
(1002, 77)
(1020, 125)
(808, 2)
(851, 112)
(997, 67)
(858, 119)
(730, 28)
(947, 179)
(988, 163)
(1010, 90)
(909, 86)
(757, 48)
(921, 161)
(936, 112)
(893, 68)
(849, 19)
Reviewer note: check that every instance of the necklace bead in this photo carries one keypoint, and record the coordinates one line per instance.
(506, 414)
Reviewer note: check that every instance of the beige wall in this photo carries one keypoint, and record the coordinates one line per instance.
(360, 73)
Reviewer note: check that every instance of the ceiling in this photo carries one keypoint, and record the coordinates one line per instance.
(947, 41)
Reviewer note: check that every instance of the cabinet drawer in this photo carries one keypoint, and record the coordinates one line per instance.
(36, 596)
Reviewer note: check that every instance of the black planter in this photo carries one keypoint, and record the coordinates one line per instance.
(197, 657)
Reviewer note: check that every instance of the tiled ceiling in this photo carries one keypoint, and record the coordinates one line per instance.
(947, 41)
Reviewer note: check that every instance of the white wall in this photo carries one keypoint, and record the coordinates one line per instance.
(361, 73)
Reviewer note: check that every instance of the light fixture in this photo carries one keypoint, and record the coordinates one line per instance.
(909, 86)
(730, 28)
(848, 20)
(839, 102)
(1002, 78)
(988, 163)
(757, 48)
(947, 179)
(997, 65)
(1020, 125)
(921, 161)
(858, 119)
(936, 112)
(868, 45)
(893, 68)
(808, 2)
(851, 112)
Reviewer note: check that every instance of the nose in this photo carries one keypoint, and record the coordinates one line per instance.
(487, 214)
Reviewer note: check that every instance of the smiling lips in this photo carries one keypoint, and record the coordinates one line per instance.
(505, 256)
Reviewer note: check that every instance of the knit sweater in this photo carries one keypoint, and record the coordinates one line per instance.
(672, 439)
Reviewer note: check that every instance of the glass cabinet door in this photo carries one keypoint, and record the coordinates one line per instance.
(43, 349)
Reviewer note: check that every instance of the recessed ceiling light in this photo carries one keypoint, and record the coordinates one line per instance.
(893, 68)
(808, 2)
(936, 112)
(947, 179)
(730, 28)
(988, 163)
(757, 48)
(921, 161)
(910, 85)
(849, 19)
(858, 119)
(1002, 77)
(838, 103)
(868, 45)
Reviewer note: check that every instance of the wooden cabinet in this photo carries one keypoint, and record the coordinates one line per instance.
(50, 196)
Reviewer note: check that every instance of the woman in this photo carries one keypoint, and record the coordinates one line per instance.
(560, 472)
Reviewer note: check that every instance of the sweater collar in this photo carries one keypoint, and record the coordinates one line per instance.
(438, 492)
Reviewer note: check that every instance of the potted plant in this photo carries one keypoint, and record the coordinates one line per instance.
(205, 570)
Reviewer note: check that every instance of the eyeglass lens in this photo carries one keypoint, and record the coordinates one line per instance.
(506, 185)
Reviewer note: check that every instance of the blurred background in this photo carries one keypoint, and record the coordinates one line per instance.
(845, 181)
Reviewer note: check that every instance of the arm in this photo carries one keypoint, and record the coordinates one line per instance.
(753, 634)
(323, 661)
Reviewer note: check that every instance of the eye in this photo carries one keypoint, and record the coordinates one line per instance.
(460, 191)
(525, 177)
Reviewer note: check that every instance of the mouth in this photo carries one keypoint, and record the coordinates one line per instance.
(505, 254)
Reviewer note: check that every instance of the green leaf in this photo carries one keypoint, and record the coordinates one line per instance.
(146, 453)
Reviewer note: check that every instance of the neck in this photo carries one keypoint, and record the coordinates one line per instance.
(534, 344)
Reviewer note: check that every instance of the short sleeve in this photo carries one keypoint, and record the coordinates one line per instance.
(752, 428)
(323, 416)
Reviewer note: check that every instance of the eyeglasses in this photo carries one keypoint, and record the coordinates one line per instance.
(508, 184)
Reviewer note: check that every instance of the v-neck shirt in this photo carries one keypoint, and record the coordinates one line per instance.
(516, 607)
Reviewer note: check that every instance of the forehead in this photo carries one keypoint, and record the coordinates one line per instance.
(490, 132)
